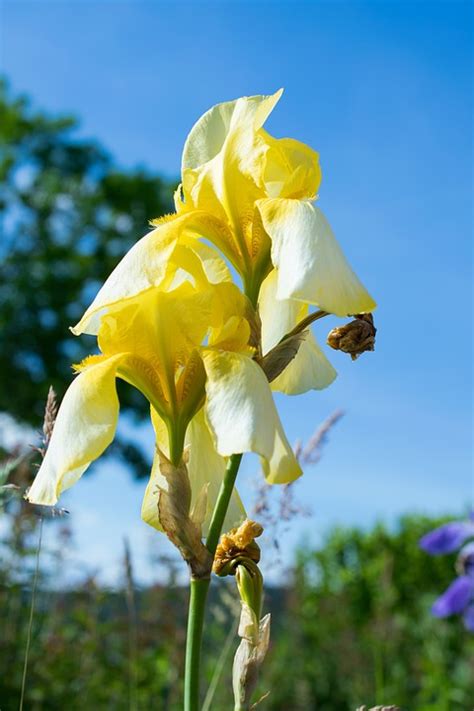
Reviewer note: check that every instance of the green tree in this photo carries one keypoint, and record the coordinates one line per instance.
(67, 216)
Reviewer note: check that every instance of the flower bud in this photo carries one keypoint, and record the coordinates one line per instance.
(355, 337)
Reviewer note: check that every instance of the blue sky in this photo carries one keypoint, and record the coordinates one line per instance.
(383, 90)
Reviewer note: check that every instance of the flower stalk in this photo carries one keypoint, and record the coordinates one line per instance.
(199, 588)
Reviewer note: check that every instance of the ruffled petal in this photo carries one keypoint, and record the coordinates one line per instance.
(159, 260)
(84, 428)
(310, 369)
(456, 598)
(292, 168)
(223, 171)
(208, 135)
(311, 266)
(206, 470)
(243, 417)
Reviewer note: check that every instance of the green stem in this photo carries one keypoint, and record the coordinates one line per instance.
(197, 606)
(222, 503)
(199, 588)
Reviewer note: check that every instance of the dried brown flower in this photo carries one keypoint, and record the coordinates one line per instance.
(355, 337)
(238, 543)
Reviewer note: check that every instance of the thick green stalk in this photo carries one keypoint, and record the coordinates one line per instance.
(199, 588)
(197, 607)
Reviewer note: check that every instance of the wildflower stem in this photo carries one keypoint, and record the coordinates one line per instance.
(199, 588)
(30, 619)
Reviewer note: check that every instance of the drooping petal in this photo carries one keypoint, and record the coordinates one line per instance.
(151, 262)
(310, 369)
(243, 417)
(447, 538)
(455, 599)
(311, 266)
(84, 428)
(206, 470)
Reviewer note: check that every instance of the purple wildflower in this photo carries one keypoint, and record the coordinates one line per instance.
(447, 538)
(458, 598)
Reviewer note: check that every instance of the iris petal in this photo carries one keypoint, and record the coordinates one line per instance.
(84, 428)
(310, 369)
(242, 414)
(311, 265)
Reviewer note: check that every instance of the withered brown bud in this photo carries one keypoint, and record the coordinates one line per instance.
(178, 522)
(355, 337)
(238, 543)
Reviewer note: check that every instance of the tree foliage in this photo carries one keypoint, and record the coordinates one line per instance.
(67, 215)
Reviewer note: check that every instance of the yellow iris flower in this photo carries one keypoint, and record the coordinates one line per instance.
(170, 321)
(251, 196)
(187, 346)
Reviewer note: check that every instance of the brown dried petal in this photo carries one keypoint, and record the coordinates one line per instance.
(174, 513)
(355, 337)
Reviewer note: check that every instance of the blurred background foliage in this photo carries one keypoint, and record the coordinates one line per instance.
(351, 625)
(67, 216)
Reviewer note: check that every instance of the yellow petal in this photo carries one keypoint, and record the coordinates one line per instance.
(208, 135)
(291, 168)
(206, 470)
(311, 265)
(222, 169)
(161, 328)
(310, 369)
(84, 428)
(243, 417)
(151, 262)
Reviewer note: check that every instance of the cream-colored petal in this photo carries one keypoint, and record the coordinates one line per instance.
(157, 480)
(206, 470)
(84, 428)
(243, 417)
(311, 265)
(208, 135)
(310, 369)
(144, 266)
